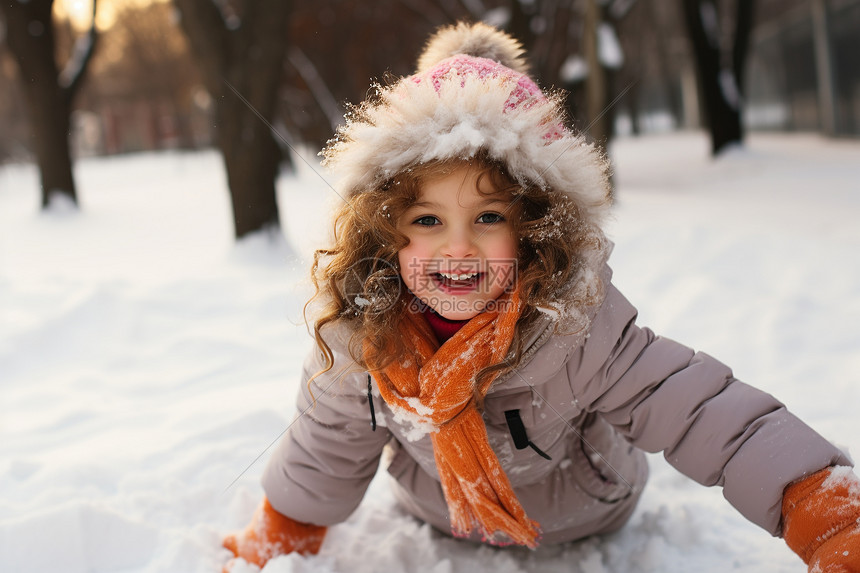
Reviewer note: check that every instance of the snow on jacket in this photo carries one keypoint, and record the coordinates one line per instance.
(592, 402)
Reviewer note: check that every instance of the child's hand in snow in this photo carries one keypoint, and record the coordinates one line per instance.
(821, 520)
(271, 534)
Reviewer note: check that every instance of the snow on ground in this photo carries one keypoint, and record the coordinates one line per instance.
(147, 362)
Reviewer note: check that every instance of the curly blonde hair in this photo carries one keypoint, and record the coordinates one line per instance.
(357, 281)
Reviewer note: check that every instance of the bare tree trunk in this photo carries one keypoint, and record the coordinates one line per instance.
(520, 25)
(653, 22)
(241, 55)
(49, 109)
(827, 105)
(744, 16)
(721, 83)
(596, 84)
(48, 93)
(251, 158)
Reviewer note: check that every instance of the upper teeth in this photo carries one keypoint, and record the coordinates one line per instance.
(456, 277)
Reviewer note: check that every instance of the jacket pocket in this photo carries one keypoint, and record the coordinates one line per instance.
(415, 490)
(604, 464)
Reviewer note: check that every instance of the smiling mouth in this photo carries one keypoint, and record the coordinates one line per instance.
(458, 283)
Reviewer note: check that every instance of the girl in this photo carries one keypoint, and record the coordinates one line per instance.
(469, 325)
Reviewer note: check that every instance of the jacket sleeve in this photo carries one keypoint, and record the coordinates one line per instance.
(329, 454)
(718, 431)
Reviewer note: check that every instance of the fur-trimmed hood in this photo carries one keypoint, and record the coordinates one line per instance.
(464, 104)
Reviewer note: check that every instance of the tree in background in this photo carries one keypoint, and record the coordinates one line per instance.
(241, 47)
(575, 45)
(144, 43)
(14, 131)
(657, 67)
(49, 92)
(720, 71)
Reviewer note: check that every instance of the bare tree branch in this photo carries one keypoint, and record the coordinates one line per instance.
(73, 73)
(309, 73)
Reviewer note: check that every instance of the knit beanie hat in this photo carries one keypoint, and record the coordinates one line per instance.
(470, 94)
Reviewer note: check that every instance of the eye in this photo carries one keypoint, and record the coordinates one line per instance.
(426, 221)
(490, 218)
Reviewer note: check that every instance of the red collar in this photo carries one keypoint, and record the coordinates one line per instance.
(442, 327)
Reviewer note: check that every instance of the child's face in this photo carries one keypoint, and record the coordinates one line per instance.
(462, 250)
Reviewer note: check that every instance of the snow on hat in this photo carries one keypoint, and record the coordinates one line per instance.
(470, 93)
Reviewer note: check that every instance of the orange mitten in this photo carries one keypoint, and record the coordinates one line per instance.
(821, 520)
(271, 534)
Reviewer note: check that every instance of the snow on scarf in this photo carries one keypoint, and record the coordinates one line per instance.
(436, 388)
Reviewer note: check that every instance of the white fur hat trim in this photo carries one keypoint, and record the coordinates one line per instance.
(456, 108)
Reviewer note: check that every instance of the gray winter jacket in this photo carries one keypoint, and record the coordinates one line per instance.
(590, 401)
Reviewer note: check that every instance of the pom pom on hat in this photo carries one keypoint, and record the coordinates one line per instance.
(477, 40)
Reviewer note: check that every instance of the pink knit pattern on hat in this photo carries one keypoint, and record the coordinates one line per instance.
(524, 92)
(463, 65)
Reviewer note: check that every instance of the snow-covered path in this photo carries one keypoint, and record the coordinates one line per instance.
(146, 361)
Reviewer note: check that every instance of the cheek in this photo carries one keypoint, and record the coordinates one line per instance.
(418, 249)
(504, 275)
(409, 260)
(505, 261)
(505, 247)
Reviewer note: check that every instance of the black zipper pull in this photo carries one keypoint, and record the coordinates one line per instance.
(518, 433)
(370, 401)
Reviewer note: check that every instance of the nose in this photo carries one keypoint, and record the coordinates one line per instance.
(459, 244)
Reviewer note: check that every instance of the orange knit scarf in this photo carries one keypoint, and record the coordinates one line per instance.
(435, 387)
